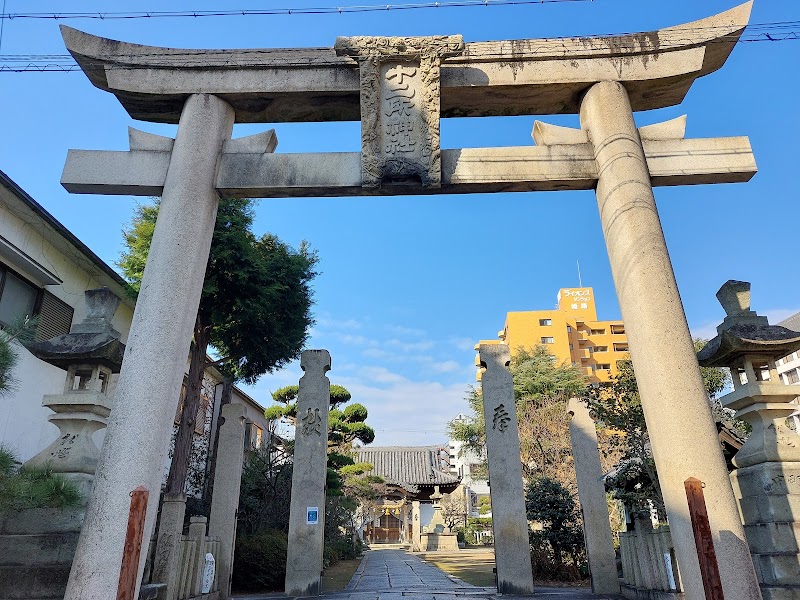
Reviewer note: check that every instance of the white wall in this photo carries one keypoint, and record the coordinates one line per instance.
(23, 420)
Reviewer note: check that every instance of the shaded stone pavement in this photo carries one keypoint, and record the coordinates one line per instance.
(398, 575)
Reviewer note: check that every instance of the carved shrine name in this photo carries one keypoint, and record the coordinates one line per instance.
(400, 90)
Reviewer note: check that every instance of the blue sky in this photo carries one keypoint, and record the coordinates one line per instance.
(409, 284)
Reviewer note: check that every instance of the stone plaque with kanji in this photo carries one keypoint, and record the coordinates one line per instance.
(400, 106)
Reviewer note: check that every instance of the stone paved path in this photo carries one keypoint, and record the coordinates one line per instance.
(398, 575)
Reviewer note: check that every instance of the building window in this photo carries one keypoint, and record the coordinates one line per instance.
(569, 329)
(253, 436)
(572, 346)
(792, 376)
(618, 329)
(548, 340)
(601, 348)
(604, 367)
(597, 332)
(18, 297)
(621, 347)
(545, 322)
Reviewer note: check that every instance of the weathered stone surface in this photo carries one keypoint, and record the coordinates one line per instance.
(466, 170)
(304, 557)
(168, 544)
(227, 484)
(661, 347)
(592, 494)
(509, 521)
(518, 77)
(137, 439)
(400, 103)
(769, 479)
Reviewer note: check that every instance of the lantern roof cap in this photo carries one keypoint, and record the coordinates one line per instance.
(744, 332)
(93, 340)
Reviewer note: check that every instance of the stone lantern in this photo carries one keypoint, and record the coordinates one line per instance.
(767, 478)
(90, 353)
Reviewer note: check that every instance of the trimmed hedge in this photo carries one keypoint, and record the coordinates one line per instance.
(259, 562)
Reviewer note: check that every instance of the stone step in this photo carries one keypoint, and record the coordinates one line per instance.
(791, 592)
(42, 520)
(777, 568)
(41, 583)
(38, 549)
(764, 537)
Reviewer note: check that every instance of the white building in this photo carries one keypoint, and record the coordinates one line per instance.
(470, 468)
(45, 270)
(789, 366)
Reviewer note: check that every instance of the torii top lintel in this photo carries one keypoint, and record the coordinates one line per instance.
(534, 76)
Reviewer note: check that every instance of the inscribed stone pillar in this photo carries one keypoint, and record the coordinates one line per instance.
(509, 520)
(137, 439)
(168, 544)
(307, 511)
(197, 533)
(592, 494)
(682, 430)
(225, 499)
(416, 530)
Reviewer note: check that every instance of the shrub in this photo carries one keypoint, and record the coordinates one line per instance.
(33, 487)
(560, 539)
(259, 563)
(341, 548)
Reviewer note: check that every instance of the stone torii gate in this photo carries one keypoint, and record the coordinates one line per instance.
(399, 88)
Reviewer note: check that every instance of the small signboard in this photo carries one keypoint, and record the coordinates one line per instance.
(312, 515)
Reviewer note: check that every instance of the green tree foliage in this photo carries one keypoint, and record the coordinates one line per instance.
(559, 542)
(254, 309)
(344, 426)
(542, 387)
(265, 493)
(20, 332)
(618, 408)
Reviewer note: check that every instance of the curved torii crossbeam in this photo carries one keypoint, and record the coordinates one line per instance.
(399, 88)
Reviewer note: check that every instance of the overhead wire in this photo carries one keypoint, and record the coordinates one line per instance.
(298, 10)
(298, 57)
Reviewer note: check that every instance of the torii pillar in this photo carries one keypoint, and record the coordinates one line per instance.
(137, 438)
(682, 431)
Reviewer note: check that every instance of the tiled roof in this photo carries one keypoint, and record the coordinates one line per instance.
(407, 465)
(792, 323)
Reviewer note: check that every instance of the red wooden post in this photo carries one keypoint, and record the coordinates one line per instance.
(129, 570)
(709, 569)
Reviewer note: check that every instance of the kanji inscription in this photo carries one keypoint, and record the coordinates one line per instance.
(501, 418)
(312, 422)
(400, 106)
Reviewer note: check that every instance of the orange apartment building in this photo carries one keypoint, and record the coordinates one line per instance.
(571, 332)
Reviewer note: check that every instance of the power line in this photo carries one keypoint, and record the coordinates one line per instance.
(297, 57)
(310, 10)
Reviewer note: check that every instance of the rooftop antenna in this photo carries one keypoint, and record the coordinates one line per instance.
(580, 282)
